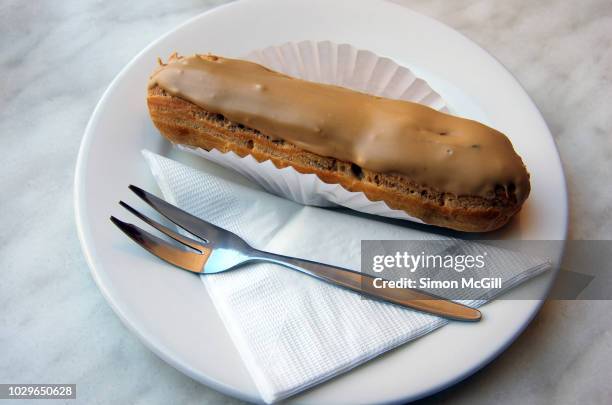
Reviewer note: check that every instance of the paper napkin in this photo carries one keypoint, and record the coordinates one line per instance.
(291, 330)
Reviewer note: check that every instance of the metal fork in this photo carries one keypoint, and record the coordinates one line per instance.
(220, 250)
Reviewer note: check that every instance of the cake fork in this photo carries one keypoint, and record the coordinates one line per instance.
(219, 250)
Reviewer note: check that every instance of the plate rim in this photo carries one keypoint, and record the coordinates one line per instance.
(159, 348)
(78, 196)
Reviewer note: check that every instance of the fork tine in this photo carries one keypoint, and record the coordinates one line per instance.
(190, 261)
(163, 229)
(192, 224)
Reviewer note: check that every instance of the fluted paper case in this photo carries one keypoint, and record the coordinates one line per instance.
(337, 64)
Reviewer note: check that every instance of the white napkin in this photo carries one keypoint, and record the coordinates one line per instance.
(291, 330)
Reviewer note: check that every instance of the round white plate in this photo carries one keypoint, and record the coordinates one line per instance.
(170, 311)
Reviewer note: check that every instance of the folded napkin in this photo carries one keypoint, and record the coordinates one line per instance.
(291, 330)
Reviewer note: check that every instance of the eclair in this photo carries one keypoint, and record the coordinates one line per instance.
(445, 170)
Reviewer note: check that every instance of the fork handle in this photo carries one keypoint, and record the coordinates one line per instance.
(365, 284)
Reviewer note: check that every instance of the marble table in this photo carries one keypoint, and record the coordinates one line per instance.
(56, 59)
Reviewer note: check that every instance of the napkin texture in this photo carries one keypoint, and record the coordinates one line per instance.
(291, 330)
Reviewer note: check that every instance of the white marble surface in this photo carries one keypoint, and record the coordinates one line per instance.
(56, 58)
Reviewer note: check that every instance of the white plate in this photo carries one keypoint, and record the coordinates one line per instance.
(170, 311)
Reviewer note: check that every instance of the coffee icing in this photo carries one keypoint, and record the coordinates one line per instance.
(434, 149)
